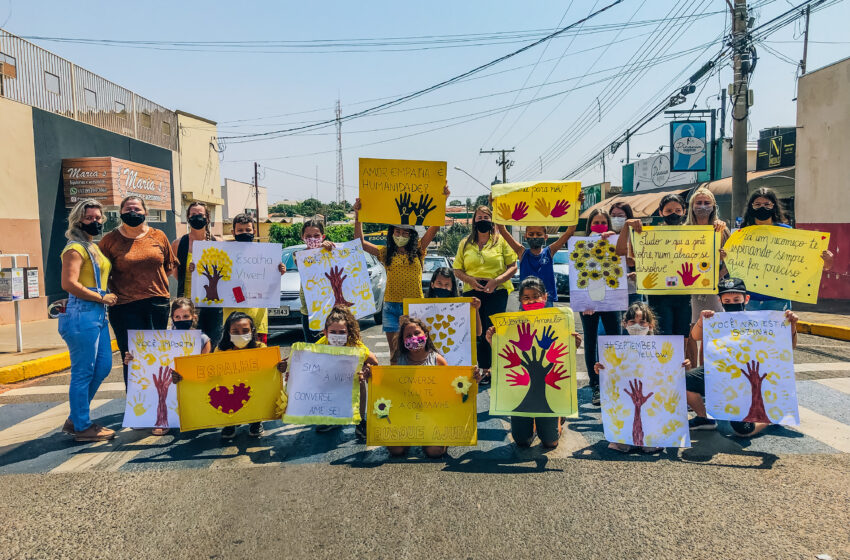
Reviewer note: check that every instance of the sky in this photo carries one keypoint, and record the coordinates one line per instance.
(557, 104)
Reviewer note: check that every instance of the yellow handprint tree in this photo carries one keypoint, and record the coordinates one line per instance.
(597, 275)
(214, 265)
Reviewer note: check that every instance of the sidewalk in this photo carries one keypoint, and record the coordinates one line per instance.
(828, 318)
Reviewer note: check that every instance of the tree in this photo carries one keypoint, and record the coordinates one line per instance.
(483, 200)
(757, 412)
(536, 373)
(214, 265)
(162, 382)
(450, 238)
(455, 203)
(639, 400)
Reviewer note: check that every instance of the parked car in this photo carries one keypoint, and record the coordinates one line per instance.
(561, 265)
(432, 263)
(288, 315)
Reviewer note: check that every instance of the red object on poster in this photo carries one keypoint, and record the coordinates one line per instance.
(237, 293)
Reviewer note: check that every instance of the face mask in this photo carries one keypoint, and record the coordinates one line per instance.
(415, 342)
(618, 222)
(241, 340)
(599, 228)
(672, 219)
(198, 221)
(244, 237)
(732, 307)
(534, 305)
(132, 218)
(703, 211)
(337, 339)
(183, 325)
(484, 226)
(313, 242)
(400, 240)
(763, 213)
(92, 228)
(535, 242)
(637, 329)
(440, 292)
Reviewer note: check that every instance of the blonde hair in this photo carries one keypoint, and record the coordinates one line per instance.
(473, 235)
(78, 212)
(692, 219)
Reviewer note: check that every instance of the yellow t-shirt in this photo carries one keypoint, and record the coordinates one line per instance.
(260, 315)
(404, 279)
(489, 262)
(187, 285)
(87, 270)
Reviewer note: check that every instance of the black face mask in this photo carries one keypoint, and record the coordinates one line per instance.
(673, 219)
(484, 226)
(183, 325)
(732, 307)
(440, 293)
(92, 228)
(535, 242)
(132, 218)
(244, 237)
(763, 213)
(198, 221)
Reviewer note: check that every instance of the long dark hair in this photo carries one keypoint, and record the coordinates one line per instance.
(672, 197)
(313, 222)
(445, 272)
(206, 214)
(625, 207)
(595, 213)
(180, 303)
(764, 192)
(340, 314)
(532, 283)
(399, 348)
(414, 251)
(226, 343)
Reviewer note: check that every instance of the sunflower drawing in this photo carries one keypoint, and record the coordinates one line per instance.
(598, 267)
(461, 386)
(382, 408)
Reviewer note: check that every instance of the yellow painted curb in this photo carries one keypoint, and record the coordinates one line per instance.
(38, 367)
(820, 329)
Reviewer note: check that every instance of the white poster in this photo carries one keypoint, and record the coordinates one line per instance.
(337, 277)
(234, 274)
(749, 368)
(654, 172)
(643, 390)
(598, 277)
(151, 396)
(452, 325)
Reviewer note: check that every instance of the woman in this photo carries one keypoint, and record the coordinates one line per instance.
(83, 325)
(141, 259)
(485, 264)
(210, 319)
(620, 212)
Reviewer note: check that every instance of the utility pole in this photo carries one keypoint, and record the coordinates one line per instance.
(722, 115)
(740, 108)
(257, 199)
(602, 159)
(628, 135)
(340, 189)
(503, 161)
(805, 41)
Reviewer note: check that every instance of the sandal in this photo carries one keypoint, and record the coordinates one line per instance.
(651, 450)
(621, 447)
(160, 431)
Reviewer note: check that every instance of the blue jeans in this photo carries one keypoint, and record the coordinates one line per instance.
(391, 313)
(85, 330)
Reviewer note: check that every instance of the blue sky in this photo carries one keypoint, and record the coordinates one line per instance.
(585, 101)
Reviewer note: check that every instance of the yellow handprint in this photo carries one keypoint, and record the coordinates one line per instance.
(149, 359)
(504, 211)
(139, 340)
(650, 281)
(138, 403)
(666, 353)
(163, 343)
(188, 344)
(165, 360)
(141, 381)
(542, 206)
(612, 358)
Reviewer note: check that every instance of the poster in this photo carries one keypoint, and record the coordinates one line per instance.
(337, 277)
(233, 274)
(775, 261)
(534, 364)
(643, 390)
(597, 275)
(749, 367)
(452, 325)
(151, 396)
(687, 146)
(228, 388)
(422, 405)
(402, 192)
(537, 203)
(654, 172)
(676, 259)
(323, 385)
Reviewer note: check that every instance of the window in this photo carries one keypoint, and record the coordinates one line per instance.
(166, 128)
(51, 82)
(145, 120)
(91, 99)
(120, 108)
(6, 58)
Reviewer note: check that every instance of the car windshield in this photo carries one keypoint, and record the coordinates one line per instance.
(561, 257)
(433, 263)
(287, 258)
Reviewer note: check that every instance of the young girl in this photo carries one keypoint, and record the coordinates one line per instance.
(639, 320)
(444, 285)
(313, 235)
(532, 296)
(183, 318)
(538, 259)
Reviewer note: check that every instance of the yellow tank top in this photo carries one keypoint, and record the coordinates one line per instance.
(187, 286)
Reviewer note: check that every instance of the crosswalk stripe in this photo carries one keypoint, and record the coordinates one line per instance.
(381, 344)
(57, 389)
(838, 383)
(40, 424)
(824, 429)
(822, 366)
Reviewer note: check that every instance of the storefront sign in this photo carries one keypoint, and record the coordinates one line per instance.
(776, 151)
(687, 145)
(654, 173)
(108, 180)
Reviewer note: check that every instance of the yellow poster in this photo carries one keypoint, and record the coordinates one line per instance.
(406, 192)
(228, 388)
(775, 261)
(676, 259)
(537, 204)
(534, 364)
(422, 405)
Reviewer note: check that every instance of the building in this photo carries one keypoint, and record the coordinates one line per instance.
(240, 198)
(197, 176)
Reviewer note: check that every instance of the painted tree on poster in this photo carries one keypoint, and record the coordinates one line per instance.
(533, 369)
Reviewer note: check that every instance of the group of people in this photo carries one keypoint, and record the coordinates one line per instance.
(123, 280)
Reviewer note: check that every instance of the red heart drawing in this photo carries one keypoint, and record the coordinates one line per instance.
(229, 399)
(823, 237)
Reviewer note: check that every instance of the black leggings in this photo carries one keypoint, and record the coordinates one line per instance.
(590, 324)
(140, 315)
(211, 323)
(497, 302)
(673, 313)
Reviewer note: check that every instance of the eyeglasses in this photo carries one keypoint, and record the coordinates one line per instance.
(757, 205)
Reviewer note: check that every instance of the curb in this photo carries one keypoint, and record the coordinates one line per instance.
(824, 330)
(38, 367)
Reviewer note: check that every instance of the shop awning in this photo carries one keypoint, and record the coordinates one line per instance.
(773, 178)
(643, 204)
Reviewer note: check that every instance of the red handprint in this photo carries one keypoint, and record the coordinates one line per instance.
(336, 279)
(526, 337)
(556, 353)
(520, 211)
(557, 374)
(162, 381)
(511, 356)
(639, 400)
(757, 412)
(517, 379)
(687, 274)
(560, 209)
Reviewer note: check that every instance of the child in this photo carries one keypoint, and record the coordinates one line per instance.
(313, 235)
(639, 320)
(532, 296)
(444, 285)
(537, 260)
(734, 297)
(183, 318)
(243, 232)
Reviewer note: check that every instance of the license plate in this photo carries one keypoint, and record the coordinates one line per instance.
(279, 312)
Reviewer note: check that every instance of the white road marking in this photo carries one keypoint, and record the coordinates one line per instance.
(40, 424)
(838, 383)
(824, 429)
(57, 389)
(822, 366)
